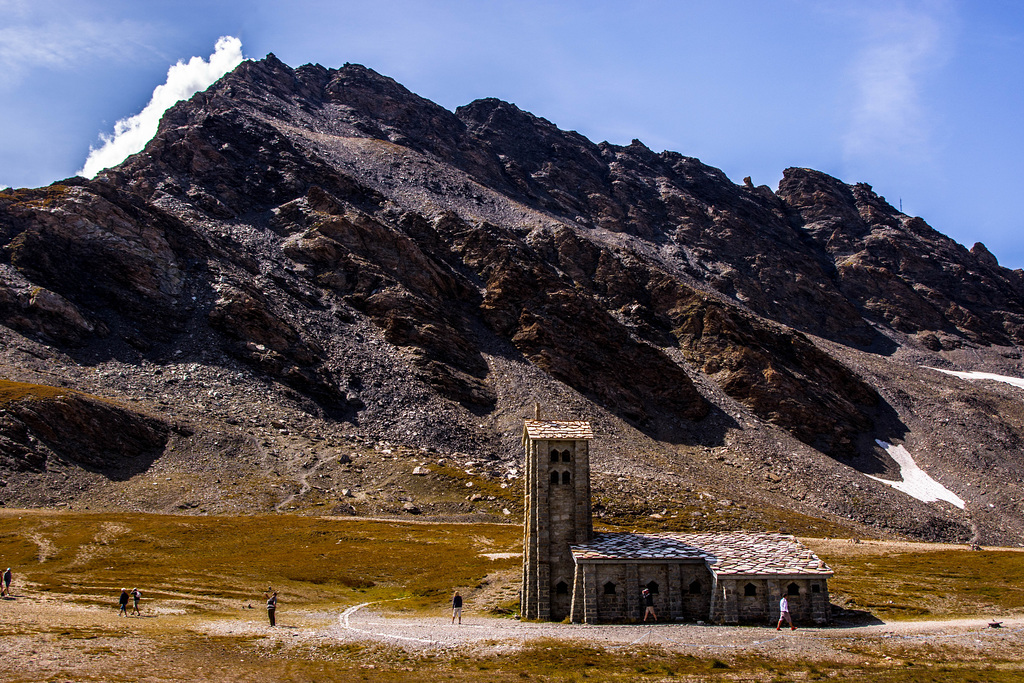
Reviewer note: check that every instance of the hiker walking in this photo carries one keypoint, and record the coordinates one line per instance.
(457, 607)
(648, 604)
(784, 614)
(123, 602)
(136, 594)
(5, 589)
(271, 596)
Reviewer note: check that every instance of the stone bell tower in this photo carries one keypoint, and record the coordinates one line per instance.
(557, 515)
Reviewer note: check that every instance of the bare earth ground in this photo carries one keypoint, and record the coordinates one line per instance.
(44, 639)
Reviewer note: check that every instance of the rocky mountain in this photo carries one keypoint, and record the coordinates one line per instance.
(315, 273)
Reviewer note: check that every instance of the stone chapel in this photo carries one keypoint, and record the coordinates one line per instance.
(571, 572)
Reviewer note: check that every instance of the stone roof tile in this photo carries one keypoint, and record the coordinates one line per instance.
(726, 554)
(561, 430)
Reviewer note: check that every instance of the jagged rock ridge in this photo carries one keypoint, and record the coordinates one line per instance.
(323, 228)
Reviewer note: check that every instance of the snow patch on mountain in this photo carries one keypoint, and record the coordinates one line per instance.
(1015, 381)
(915, 481)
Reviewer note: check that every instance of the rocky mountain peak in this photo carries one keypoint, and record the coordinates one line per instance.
(980, 252)
(395, 271)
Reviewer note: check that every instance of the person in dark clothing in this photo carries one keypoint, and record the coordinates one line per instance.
(271, 596)
(648, 604)
(6, 588)
(457, 607)
(123, 602)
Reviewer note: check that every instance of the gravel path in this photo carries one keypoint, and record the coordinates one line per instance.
(361, 622)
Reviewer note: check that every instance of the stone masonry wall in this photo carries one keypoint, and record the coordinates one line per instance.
(672, 601)
(558, 515)
(733, 606)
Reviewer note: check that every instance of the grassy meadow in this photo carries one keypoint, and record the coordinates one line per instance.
(924, 581)
(198, 571)
(212, 563)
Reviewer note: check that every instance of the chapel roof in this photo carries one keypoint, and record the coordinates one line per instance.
(726, 554)
(570, 430)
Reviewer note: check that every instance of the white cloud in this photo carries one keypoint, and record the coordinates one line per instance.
(183, 80)
(43, 34)
(888, 116)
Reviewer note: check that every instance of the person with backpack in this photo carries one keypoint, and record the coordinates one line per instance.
(136, 595)
(271, 596)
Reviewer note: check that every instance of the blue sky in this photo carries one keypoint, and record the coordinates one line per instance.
(921, 99)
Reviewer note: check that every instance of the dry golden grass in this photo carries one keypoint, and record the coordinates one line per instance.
(919, 580)
(38, 198)
(11, 392)
(201, 570)
(206, 562)
(511, 497)
(15, 391)
(214, 560)
(709, 516)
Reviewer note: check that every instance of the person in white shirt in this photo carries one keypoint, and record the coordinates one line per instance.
(784, 614)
